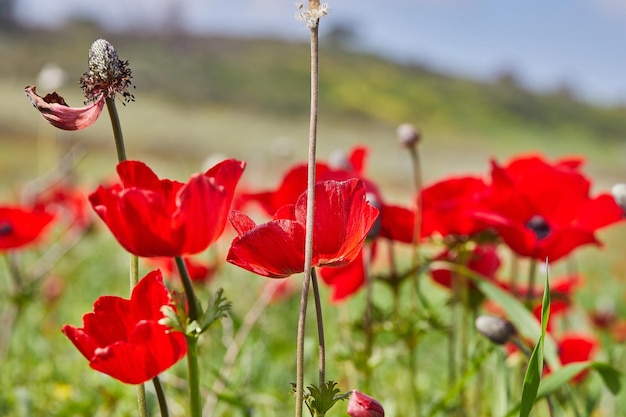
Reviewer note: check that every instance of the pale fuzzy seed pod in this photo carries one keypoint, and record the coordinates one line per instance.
(496, 329)
(619, 194)
(408, 135)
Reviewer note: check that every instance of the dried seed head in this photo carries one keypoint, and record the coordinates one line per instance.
(496, 329)
(408, 135)
(107, 74)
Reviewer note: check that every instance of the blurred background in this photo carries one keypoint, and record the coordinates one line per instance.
(480, 78)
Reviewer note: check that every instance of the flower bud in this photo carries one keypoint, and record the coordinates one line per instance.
(496, 329)
(361, 405)
(408, 135)
(619, 194)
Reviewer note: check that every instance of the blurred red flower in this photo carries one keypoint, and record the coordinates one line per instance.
(576, 347)
(68, 201)
(123, 338)
(448, 206)
(544, 210)
(198, 272)
(151, 217)
(275, 249)
(348, 279)
(20, 226)
(483, 260)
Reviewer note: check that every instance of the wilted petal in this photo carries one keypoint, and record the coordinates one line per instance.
(55, 110)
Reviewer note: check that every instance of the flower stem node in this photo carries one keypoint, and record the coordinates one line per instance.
(496, 329)
(408, 135)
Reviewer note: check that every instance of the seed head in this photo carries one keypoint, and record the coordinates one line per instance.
(107, 74)
(619, 194)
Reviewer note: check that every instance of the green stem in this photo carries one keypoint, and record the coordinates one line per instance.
(158, 388)
(192, 302)
(320, 328)
(308, 245)
(532, 277)
(195, 409)
(141, 400)
(192, 340)
(117, 129)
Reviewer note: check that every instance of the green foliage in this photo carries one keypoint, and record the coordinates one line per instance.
(532, 378)
(321, 399)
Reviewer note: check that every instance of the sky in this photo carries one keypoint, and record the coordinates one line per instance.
(547, 44)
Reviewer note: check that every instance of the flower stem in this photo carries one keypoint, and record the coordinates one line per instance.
(195, 409)
(308, 246)
(158, 388)
(117, 129)
(532, 277)
(320, 328)
(192, 302)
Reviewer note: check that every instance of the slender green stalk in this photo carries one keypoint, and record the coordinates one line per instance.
(134, 262)
(117, 129)
(158, 388)
(195, 408)
(192, 301)
(320, 328)
(532, 277)
(308, 246)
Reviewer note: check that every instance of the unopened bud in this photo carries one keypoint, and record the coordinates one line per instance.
(408, 135)
(496, 329)
(619, 194)
(361, 405)
(375, 202)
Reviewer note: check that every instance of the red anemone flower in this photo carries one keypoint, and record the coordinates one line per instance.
(575, 347)
(448, 206)
(544, 210)
(362, 405)
(483, 260)
(348, 279)
(124, 339)
(20, 226)
(150, 217)
(275, 249)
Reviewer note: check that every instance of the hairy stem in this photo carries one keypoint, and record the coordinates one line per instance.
(158, 388)
(308, 246)
(117, 129)
(320, 328)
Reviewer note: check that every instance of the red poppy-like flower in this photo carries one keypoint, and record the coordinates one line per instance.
(448, 206)
(483, 260)
(348, 279)
(68, 201)
(124, 339)
(275, 249)
(362, 405)
(198, 272)
(20, 226)
(575, 347)
(151, 217)
(544, 210)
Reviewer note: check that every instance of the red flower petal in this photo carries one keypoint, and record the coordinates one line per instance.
(20, 226)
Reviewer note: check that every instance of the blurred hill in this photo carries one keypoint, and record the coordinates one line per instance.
(270, 79)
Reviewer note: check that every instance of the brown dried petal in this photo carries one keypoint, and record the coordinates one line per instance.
(55, 110)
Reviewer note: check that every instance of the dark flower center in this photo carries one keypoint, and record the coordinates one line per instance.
(5, 229)
(538, 225)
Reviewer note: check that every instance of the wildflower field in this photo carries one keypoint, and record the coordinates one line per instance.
(348, 249)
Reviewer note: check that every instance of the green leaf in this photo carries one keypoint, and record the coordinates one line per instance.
(217, 309)
(321, 399)
(535, 364)
(611, 376)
